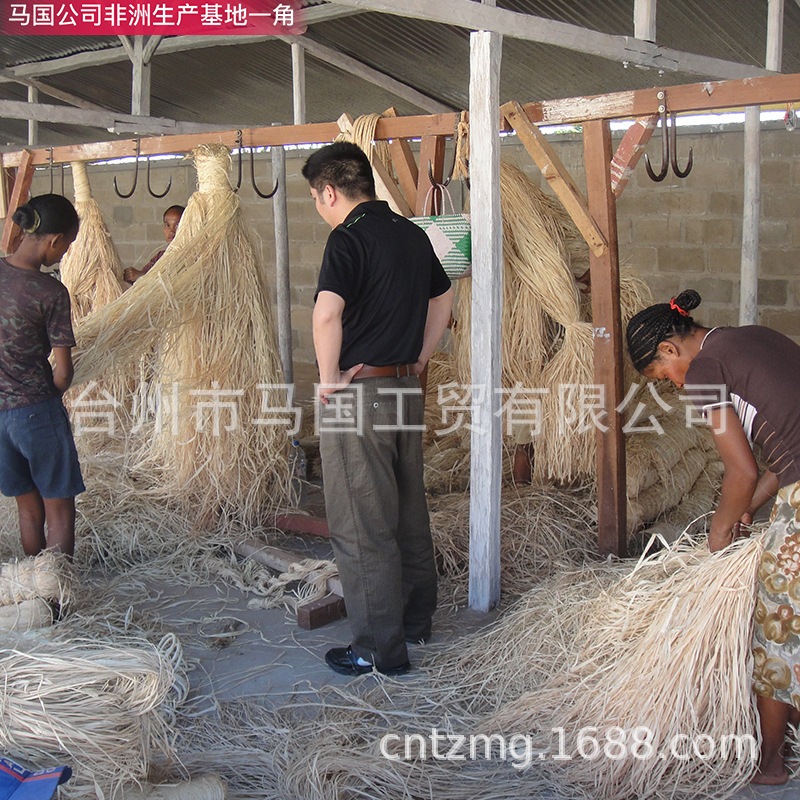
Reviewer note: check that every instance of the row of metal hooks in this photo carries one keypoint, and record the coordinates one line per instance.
(137, 150)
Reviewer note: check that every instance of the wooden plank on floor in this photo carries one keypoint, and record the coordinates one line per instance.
(302, 523)
(280, 560)
(317, 613)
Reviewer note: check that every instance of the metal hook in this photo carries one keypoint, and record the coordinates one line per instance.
(135, 174)
(664, 150)
(52, 165)
(150, 188)
(673, 152)
(239, 148)
(253, 178)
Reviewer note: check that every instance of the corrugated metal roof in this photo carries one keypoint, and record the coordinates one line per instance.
(250, 83)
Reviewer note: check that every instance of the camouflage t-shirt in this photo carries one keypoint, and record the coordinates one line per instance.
(34, 318)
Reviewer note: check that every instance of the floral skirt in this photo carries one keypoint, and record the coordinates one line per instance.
(776, 632)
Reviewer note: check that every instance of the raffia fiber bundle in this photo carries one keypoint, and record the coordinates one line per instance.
(48, 575)
(27, 615)
(204, 307)
(666, 650)
(541, 530)
(103, 708)
(203, 787)
(91, 269)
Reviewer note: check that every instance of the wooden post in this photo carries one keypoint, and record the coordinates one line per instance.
(283, 297)
(140, 83)
(644, 20)
(19, 195)
(487, 307)
(33, 125)
(751, 214)
(611, 494)
(299, 83)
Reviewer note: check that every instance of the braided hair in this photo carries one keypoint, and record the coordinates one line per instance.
(656, 324)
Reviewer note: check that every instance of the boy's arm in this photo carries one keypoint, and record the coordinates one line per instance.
(63, 369)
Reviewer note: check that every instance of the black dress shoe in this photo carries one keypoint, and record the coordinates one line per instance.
(344, 661)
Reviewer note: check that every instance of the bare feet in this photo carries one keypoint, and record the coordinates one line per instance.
(772, 774)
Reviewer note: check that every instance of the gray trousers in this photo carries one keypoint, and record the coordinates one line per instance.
(378, 516)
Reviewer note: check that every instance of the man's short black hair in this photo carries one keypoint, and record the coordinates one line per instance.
(344, 166)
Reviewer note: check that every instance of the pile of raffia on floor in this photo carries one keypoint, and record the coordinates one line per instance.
(673, 469)
(659, 649)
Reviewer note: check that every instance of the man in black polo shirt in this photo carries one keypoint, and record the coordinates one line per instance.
(383, 302)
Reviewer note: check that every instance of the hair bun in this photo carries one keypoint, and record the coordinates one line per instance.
(27, 218)
(688, 300)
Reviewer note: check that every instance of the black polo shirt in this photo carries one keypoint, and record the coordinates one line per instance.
(383, 266)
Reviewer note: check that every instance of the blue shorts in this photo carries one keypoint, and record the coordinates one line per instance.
(37, 451)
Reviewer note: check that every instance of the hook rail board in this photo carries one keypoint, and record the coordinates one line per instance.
(413, 127)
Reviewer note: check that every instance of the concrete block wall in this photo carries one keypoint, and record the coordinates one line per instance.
(678, 233)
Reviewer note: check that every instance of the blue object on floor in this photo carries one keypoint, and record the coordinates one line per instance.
(18, 783)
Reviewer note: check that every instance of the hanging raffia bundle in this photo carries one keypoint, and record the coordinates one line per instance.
(204, 307)
(105, 709)
(91, 268)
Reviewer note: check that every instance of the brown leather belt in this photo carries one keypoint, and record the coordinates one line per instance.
(399, 371)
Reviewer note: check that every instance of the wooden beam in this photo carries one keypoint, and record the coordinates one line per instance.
(174, 44)
(644, 20)
(486, 441)
(356, 68)
(405, 166)
(556, 175)
(19, 195)
(431, 154)
(706, 96)
(630, 150)
(43, 88)
(611, 494)
(479, 16)
(283, 283)
(316, 613)
(387, 128)
(110, 120)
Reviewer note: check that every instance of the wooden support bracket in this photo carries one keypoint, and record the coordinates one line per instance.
(404, 164)
(630, 150)
(431, 150)
(19, 195)
(556, 174)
